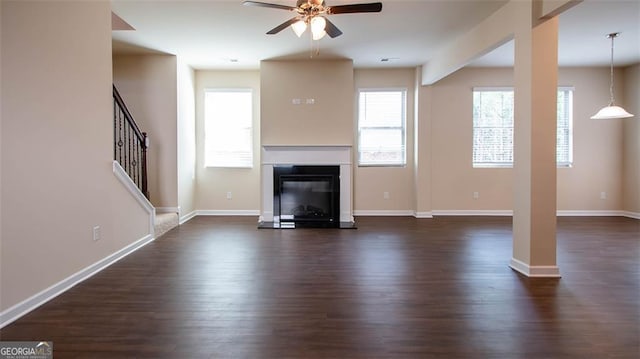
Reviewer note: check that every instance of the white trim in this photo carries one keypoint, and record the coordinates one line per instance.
(15, 312)
(535, 271)
(481, 212)
(167, 209)
(331, 155)
(589, 213)
(124, 178)
(427, 214)
(390, 213)
(236, 212)
(629, 214)
(184, 219)
(559, 213)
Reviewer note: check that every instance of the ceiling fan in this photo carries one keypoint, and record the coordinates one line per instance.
(312, 13)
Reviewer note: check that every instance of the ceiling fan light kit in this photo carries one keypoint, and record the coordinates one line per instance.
(311, 13)
(611, 111)
(299, 27)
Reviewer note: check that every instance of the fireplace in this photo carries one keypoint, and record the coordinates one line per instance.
(311, 168)
(306, 196)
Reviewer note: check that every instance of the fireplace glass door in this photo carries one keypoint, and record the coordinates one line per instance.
(308, 195)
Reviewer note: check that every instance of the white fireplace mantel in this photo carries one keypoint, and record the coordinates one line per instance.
(307, 156)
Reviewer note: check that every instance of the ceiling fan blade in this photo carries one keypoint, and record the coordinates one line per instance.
(354, 8)
(266, 4)
(332, 30)
(282, 26)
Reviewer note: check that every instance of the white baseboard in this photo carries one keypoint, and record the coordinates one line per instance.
(423, 214)
(535, 271)
(128, 184)
(187, 217)
(481, 212)
(559, 213)
(634, 215)
(238, 212)
(589, 213)
(398, 213)
(15, 312)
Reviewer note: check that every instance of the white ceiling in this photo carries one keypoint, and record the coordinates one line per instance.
(210, 34)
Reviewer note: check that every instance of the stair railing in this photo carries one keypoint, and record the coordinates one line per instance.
(130, 144)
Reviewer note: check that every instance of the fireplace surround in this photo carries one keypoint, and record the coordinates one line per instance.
(307, 196)
(275, 158)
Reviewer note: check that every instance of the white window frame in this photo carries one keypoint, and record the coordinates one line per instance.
(569, 160)
(223, 157)
(569, 130)
(403, 128)
(504, 164)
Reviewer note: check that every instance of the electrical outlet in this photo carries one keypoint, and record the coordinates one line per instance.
(476, 195)
(603, 195)
(385, 195)
(229, 195)
(97, 235)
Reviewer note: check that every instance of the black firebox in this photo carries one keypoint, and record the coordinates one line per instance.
(306, 196)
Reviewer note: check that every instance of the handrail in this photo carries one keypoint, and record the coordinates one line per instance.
(129, 143)
(128, 116)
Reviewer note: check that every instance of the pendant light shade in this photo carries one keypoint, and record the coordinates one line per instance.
(612, 111)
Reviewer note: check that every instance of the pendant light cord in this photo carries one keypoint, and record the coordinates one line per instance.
(612, 36)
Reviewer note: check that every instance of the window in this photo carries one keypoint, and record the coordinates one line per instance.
(493, 127)
(564, 147)
(381, 127)
(228, 116)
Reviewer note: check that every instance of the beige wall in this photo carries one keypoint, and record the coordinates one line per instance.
(214, 183)
(454, 179)
(597, 151)
(370, 183)
(57, 147)
(444, 149)
(329, 121)
(597, 145)
(148, 85)
(186, 139)
(631, 140)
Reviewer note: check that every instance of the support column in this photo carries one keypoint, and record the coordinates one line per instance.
(422, 149)
(535, 73)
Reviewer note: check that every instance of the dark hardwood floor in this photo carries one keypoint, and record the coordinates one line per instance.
(393, 288)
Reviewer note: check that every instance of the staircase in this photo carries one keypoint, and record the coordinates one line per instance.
(130, 151)
(164, 222)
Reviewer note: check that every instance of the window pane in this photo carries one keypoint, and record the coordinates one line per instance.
(381, 127)
(564, 148)
(383, 109)
(381, 146)
(228, 128)
(492, 128)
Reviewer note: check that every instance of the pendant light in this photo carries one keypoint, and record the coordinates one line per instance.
(612, 111)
